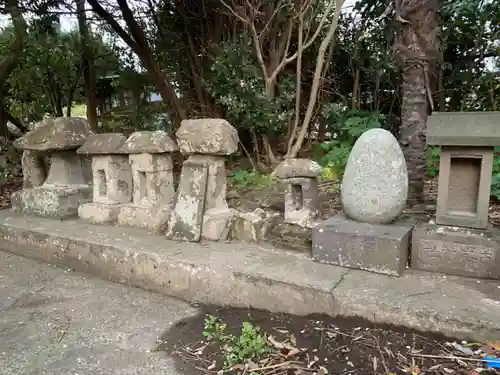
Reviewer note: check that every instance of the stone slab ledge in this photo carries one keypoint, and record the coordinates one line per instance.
(251, 275)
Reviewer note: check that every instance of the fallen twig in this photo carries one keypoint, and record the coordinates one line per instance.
(450, 357)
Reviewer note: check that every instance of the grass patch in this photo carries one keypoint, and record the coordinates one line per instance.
(251, 178)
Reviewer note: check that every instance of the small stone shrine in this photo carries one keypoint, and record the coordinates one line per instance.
(201, 209)
(112, 178)
(367, 235)
(301, 198)
(150, 158)
(460, 241)
(66, 185)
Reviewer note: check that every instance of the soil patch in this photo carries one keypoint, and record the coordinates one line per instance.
(320, 345)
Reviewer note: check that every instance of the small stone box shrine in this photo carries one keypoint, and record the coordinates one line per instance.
(153, 193)
(112, 178)
(368, 235)
(461, 242)
(67, 185)
(201, 208)
(301, 198)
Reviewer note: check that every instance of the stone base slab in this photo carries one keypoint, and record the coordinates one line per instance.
(131, 215)
(53, 201)
(244, 275)
(376, 248)
(456, 251)
(99, 213)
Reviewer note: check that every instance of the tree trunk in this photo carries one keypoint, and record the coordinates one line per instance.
(89, 77)
(137, 41)
(414, 107)
(418, 51)
(8, 63)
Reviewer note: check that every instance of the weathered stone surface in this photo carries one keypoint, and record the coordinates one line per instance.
(153, 179)
(291, 168)
(137, 216)
(187, 217)
(151, 162)
(301, 200)
(99, 213)
(252, 226)
(34, 169)
(207, 136)
(112, 179)
(290, 236)
(464, 187)
(375, 184)
(47, 201)
(376, 248)
(152, 142)
(463, 129)
(216, 182)
(65, 169)
(217, 224)
(62, 133)
(102, 144)
(456, 251)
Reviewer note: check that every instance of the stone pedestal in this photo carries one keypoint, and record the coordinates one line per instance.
(456, 251)
(52, 201)
(62, 192)
(370, 247)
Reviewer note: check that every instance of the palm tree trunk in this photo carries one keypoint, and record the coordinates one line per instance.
(414, 110)
(418, 53)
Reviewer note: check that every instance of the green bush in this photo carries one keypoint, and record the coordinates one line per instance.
(249, 345)
(347, 126)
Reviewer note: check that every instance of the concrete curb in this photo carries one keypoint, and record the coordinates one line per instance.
(243, 275)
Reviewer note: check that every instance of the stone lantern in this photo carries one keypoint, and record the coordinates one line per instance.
(201, 209)
(66, 185)
(112, 178)
(460, 241)
(153, 194)
(301, 198)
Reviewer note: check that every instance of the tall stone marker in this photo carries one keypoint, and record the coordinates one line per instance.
(66, 185)
(367, 235)
(201, 208)
(460, 241)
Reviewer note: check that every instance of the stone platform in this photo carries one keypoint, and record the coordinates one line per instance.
(376, 248)
(245, 275)
(456, 251)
